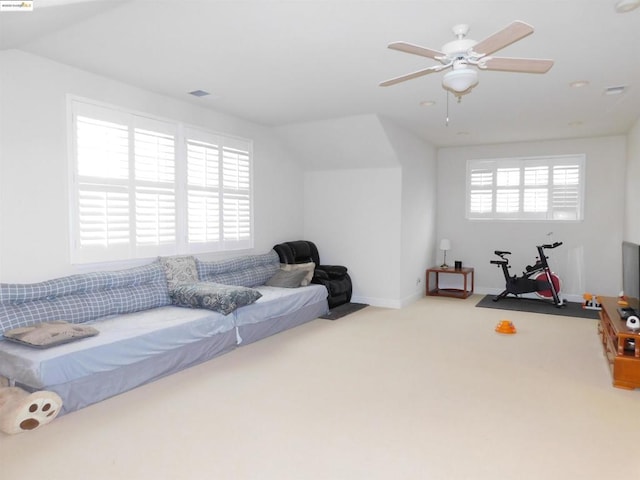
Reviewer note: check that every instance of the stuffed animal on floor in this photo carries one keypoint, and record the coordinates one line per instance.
(21, 411)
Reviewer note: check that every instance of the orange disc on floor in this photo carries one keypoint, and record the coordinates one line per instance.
(505, 326)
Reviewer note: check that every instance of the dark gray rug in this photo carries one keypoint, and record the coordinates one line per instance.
(572, 309)
(342, 310)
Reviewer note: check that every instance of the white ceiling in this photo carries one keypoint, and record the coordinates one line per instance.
(278, 62)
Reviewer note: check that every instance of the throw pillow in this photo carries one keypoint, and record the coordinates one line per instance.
(49, 334)
(214, 296)
(287, 279)
(309, 268)
(179, 270)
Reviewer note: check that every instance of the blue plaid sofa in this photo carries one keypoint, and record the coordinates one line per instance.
(143, 335)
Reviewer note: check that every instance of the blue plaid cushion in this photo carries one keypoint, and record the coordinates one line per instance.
(83, 297)
(247, 271)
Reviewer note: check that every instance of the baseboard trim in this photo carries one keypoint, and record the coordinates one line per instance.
(398, 304)
(378, 302)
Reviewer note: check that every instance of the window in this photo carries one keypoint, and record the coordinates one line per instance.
(541, 188)
(143, 187)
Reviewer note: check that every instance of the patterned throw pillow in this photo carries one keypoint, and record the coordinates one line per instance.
(214, 296)
(49, 334)
(179, 270)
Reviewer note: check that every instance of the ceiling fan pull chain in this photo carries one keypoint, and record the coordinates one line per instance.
(447, 119)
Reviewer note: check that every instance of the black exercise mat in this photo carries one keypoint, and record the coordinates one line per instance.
(572, 309)
(342, 310)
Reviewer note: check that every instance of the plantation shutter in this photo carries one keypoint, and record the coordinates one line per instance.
(565, 198)
(536, 193)
(538, 188)
(236, 198)
(155, 194)
(203, 192)
(102, 200)
(144, 187)
(219, 192)
(481, 190)
(507, 191)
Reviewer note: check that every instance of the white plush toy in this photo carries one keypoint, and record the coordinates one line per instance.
(21, 411)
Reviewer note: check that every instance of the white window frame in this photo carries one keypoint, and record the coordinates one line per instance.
(487, 198)
(172, 237)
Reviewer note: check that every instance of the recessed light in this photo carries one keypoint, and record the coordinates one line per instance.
(427, 103)
(199, 93)
(624, 6)
(579, 84)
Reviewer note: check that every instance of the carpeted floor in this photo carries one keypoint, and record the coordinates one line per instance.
(343, 310)
(533, 305)
(429, 391)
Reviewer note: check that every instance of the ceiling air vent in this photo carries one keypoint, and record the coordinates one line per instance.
(615, 90)
(199, 93)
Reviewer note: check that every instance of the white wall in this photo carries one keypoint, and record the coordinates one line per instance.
(354, 217)
(379, 219)
(418, 212)
(34, 236)
(632, 187)
(589, 260)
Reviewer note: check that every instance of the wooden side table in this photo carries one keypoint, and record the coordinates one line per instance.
(466, 290)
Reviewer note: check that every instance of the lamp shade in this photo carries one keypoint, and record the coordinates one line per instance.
(445, 244)
(460, 79)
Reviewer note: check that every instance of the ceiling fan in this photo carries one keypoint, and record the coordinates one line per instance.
(465, 56)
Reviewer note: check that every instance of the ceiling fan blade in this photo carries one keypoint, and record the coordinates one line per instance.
(514, 32)
(524, 65)
(409, 76)
(416, 50)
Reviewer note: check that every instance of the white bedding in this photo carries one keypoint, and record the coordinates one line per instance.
(279, 302)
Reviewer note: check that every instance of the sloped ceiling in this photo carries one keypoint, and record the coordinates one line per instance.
(292, 62)
(359, 141)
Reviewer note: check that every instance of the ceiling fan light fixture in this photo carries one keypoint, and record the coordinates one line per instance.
(460, 79)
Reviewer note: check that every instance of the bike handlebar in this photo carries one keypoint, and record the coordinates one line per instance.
(548, 245)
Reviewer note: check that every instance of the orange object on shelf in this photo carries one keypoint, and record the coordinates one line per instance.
(505, 326)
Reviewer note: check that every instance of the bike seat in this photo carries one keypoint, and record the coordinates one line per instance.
(500, 252)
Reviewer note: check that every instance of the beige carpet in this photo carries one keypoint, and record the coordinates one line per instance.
(426, 392)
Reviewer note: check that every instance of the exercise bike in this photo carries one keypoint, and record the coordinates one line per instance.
(537, 278)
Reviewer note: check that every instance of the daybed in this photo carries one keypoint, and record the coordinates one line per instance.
(142, 335)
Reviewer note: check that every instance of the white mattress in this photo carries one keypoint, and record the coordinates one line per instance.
(278, 302)
(123, 340)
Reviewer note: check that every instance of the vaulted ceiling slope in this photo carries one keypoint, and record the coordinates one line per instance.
(279, 63)
(359, 141)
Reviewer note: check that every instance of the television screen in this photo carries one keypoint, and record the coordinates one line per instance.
(631, 274)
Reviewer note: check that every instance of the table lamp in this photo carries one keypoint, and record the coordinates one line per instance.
(445, 245)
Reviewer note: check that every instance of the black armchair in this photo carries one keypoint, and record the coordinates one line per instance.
(334, 277)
